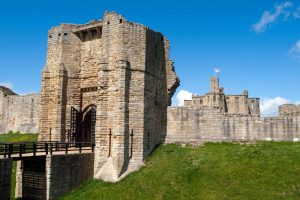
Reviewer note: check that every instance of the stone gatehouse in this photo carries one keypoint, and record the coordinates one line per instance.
(109, 81)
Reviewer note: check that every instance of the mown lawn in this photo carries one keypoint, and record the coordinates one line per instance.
(266, 170)
(16, 137)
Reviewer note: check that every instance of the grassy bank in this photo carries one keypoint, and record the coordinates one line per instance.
(214, 171)
(16, 137)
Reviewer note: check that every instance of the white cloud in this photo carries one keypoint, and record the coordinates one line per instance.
(268, 17)
(296, 14)
(295, 51)
(269, 107)
(7, 84)
(181, 96)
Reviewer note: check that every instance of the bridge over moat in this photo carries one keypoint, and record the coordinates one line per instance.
(45, 170)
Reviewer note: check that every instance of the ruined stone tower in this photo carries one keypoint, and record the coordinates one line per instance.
(109, 82)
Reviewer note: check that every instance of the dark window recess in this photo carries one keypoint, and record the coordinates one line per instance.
(85, 35)
(59, 34)
(94, 34)
(65, 34)
(121, 20)
(108, 23)
(50, 36)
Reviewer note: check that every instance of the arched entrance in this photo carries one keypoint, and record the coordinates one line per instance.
(88, 124)
(83, 125)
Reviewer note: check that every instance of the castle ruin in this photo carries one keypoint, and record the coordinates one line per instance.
(217, 117)
(291, 110)
(109, 82)
(231, 104)
(19, 112)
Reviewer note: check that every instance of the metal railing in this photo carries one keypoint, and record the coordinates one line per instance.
(18, 149)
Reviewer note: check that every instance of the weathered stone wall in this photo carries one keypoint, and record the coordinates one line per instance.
(5, 178)
(19, 113)
(189, 125)
(121, 68)
(289, 110)
(231, 104)
(66, 172)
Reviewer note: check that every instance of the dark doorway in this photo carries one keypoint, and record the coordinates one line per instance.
(34, 178)
(83, 125)
(88, 124)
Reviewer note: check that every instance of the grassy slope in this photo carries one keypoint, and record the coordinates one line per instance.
(215, 171)
(16, 137)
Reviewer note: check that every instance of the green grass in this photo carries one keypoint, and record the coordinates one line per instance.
(16, 137)
(266, 170)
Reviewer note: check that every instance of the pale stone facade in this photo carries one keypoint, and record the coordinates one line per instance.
(189, 125)
(290, 110)
(19, 113)
(231, 104)
(219, 117)
(108, 82)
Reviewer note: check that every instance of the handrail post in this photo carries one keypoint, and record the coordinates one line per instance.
(20, 150)
(93, 147)
(56, 146)
(50, 148)
(5, 150)
(24, 148)
(34, 149)
(67, 146)
(46, 148)
(10, 150)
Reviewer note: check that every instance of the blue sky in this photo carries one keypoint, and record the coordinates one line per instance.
(254, 42)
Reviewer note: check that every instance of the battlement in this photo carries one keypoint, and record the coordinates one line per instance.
(289, 110)
(231, 104)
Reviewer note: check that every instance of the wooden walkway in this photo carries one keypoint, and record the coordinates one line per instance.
(19, 151)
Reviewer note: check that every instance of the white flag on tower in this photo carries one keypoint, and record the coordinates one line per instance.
(217, 70)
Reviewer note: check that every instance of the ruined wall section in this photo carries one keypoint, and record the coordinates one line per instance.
(19, 113)
(188, 125)
(66, 172)
(133, 95)
(60, 81)
(121, 81)
(289, 110)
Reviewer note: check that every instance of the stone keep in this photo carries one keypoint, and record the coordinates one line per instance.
(231, 104)
(108, 82)
(289, 110)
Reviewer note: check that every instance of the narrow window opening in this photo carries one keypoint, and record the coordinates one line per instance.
(94, 34)
(59, 34)
(65, 34)
(85, 35)
(121, 20)
(155, 50)
(108, 23)
(50, 36)
(252, 104)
